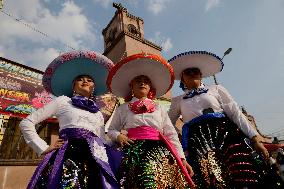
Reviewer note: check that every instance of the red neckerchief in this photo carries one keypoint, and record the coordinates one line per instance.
(142, 106)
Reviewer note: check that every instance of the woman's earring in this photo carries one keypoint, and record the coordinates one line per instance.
(132, 93)
(74, 93)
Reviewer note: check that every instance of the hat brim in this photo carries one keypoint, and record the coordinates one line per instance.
(153, 66)
(208, 63)
(59, 75)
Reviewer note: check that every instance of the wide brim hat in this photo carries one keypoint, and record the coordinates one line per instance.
(208, 63)
(60, 73)
(153, 66)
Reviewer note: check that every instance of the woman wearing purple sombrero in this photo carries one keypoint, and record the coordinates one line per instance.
(217, 138)
(80, 158)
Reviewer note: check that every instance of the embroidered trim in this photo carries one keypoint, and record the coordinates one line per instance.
(100, 152)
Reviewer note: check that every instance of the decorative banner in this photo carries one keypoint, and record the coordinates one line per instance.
(21, 91)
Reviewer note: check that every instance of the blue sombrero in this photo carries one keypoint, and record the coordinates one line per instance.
(208, 63)
(60, 73)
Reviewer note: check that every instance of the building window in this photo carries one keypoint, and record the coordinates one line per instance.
(132, 29)
(112, 34)
(13, 146)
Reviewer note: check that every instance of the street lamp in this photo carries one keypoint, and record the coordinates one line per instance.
(1, 4)
(228, 51)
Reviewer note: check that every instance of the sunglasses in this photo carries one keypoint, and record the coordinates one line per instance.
(191, 71)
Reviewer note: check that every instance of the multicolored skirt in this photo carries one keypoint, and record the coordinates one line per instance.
(149, 164)
(220, 154)
(84, 161)
(79, 168)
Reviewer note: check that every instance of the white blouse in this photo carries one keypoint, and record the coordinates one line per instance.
(217, 98)
(68, 116)
(124, 118)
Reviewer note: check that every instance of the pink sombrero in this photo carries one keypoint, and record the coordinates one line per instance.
(208, 63)
(153, 66)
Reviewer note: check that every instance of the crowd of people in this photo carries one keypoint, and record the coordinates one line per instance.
(217, 148)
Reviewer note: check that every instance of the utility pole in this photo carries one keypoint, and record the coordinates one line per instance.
(228, 51)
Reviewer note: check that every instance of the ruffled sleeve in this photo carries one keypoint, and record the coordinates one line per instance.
(28, 124)
(233, 111)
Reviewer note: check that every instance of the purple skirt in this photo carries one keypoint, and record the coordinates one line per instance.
(84, 161)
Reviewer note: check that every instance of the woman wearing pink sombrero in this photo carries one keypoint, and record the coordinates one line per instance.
(80, 158)
(153, 156)
(218, 139)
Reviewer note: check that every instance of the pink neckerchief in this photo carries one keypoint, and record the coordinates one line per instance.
(142, 106)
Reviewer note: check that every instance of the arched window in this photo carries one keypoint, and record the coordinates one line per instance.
(132, 29)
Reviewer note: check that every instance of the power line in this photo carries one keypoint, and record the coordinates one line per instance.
(277, 134)
(33, 28)
(277, 131)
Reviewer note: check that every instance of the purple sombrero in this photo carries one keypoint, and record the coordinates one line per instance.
(208, 63)
(60, 73)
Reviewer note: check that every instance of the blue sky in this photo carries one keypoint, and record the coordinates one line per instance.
(253, 72)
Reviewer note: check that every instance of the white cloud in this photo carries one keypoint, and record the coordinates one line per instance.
(156, 6)
(162, 41)
(211, 4)
(68, 26)
(104, 3)
(40, 58)
(167, 44)
(37, 58)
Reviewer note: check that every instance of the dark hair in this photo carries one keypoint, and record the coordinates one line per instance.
(192, 70)
(182, 86)
(80, 76)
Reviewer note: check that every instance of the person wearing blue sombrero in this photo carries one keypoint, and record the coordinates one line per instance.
(218, 140)
(80, 158)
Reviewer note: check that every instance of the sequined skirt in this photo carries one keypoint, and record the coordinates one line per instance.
(80, 170)
(221, 155)
(149, 164)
